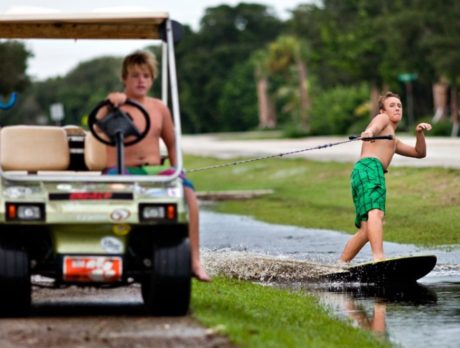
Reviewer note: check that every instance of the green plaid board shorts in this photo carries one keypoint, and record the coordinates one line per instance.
(368, 188)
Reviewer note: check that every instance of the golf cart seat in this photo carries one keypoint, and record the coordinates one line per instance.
(34, 148)
(76, 138)
(95, 153)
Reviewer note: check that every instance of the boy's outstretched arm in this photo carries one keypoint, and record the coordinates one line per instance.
(419, 150)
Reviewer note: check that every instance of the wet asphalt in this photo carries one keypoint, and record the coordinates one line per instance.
(227, 232)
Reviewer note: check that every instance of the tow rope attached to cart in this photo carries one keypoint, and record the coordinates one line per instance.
(282, 154)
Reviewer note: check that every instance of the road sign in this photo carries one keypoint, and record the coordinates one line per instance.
(407, 77)
(57, 112)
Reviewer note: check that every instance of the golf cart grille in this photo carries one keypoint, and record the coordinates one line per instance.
(90, 196)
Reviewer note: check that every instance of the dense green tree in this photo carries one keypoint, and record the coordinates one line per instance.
(369, 40)
(340, 110)
(206, 60)
(240, 59)
(13, 77)
(286, 55)
(441, 39)
(238, 100)
(79, 91)
(88, 84)
(13, 65)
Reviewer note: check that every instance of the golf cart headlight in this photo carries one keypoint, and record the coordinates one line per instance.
(158, 212)
(25, 212)
(29, 212)
(150, 213)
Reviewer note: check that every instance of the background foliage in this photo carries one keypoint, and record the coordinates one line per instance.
(346, 51)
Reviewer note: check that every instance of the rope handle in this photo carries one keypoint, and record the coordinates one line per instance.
(377, 137)
(351, 138)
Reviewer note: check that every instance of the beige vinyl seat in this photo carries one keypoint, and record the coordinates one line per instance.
(95, 153)
(34, 148)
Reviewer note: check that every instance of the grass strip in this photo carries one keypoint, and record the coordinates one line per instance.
(423, 204)
(252, 315)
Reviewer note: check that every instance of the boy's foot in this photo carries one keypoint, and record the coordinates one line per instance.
(201, 275)
(343, 264)
(378, 257)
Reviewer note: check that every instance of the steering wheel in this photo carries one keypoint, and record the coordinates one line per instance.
(118, 124)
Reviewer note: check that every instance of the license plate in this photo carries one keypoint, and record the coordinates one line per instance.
(104, 269)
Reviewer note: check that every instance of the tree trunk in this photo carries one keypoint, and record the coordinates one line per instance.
(305, 102)
(267, 116)
(440, 99)
(454, 111)
(375, 95)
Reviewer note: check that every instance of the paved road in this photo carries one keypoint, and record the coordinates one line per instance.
(442, 152)
(96, 318)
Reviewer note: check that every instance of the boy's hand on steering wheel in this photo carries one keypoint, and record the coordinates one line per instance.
(117, 98)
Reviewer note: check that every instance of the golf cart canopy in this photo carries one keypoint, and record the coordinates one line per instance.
(94, 25)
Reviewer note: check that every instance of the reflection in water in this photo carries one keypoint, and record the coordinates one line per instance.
(411, 294)
(374, 322)
(348, 299)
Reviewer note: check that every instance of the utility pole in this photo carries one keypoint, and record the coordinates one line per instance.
(407, 79)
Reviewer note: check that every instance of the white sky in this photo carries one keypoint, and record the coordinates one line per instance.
(57, 57)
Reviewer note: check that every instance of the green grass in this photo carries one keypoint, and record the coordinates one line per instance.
(423, 204)
(254, 316)
(423, 207)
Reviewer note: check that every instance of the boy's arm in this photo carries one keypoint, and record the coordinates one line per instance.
(374, 128)
(168, 135)
(419, 150)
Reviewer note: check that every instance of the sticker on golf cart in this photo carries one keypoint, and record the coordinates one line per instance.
(92, 268)
(112, 245)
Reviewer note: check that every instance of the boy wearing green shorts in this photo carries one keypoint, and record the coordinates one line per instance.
(368, 175)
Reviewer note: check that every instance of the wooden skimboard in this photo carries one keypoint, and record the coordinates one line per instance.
(395, 270)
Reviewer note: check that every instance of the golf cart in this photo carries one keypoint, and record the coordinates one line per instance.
(62, 218)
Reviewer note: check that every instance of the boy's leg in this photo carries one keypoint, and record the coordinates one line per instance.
(192, 202)
(375, 233)
(378, 320)
(355, 244)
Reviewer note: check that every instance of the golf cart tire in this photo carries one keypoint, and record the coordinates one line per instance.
(15, 285)
(167, 291)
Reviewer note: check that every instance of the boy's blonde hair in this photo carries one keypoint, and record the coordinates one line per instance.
(385, 97)
(140, 58)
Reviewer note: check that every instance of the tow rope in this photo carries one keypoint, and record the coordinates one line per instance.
(323, 146)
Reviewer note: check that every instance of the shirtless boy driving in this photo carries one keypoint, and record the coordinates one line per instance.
(138, 74)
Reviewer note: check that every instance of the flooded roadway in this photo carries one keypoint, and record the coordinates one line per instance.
(423, 315)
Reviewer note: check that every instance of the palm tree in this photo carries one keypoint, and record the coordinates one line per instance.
(267, 112)
(286, 55)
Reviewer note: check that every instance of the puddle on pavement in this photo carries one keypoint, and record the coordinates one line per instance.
(423, 315)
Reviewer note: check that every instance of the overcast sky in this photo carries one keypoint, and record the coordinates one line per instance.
(54, 57)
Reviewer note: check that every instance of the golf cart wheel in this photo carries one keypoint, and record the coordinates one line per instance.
(15, 286)
(167, 290)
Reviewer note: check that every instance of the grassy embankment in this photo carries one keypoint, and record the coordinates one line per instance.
(254, 316)
(423, 204)
(422, 208)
